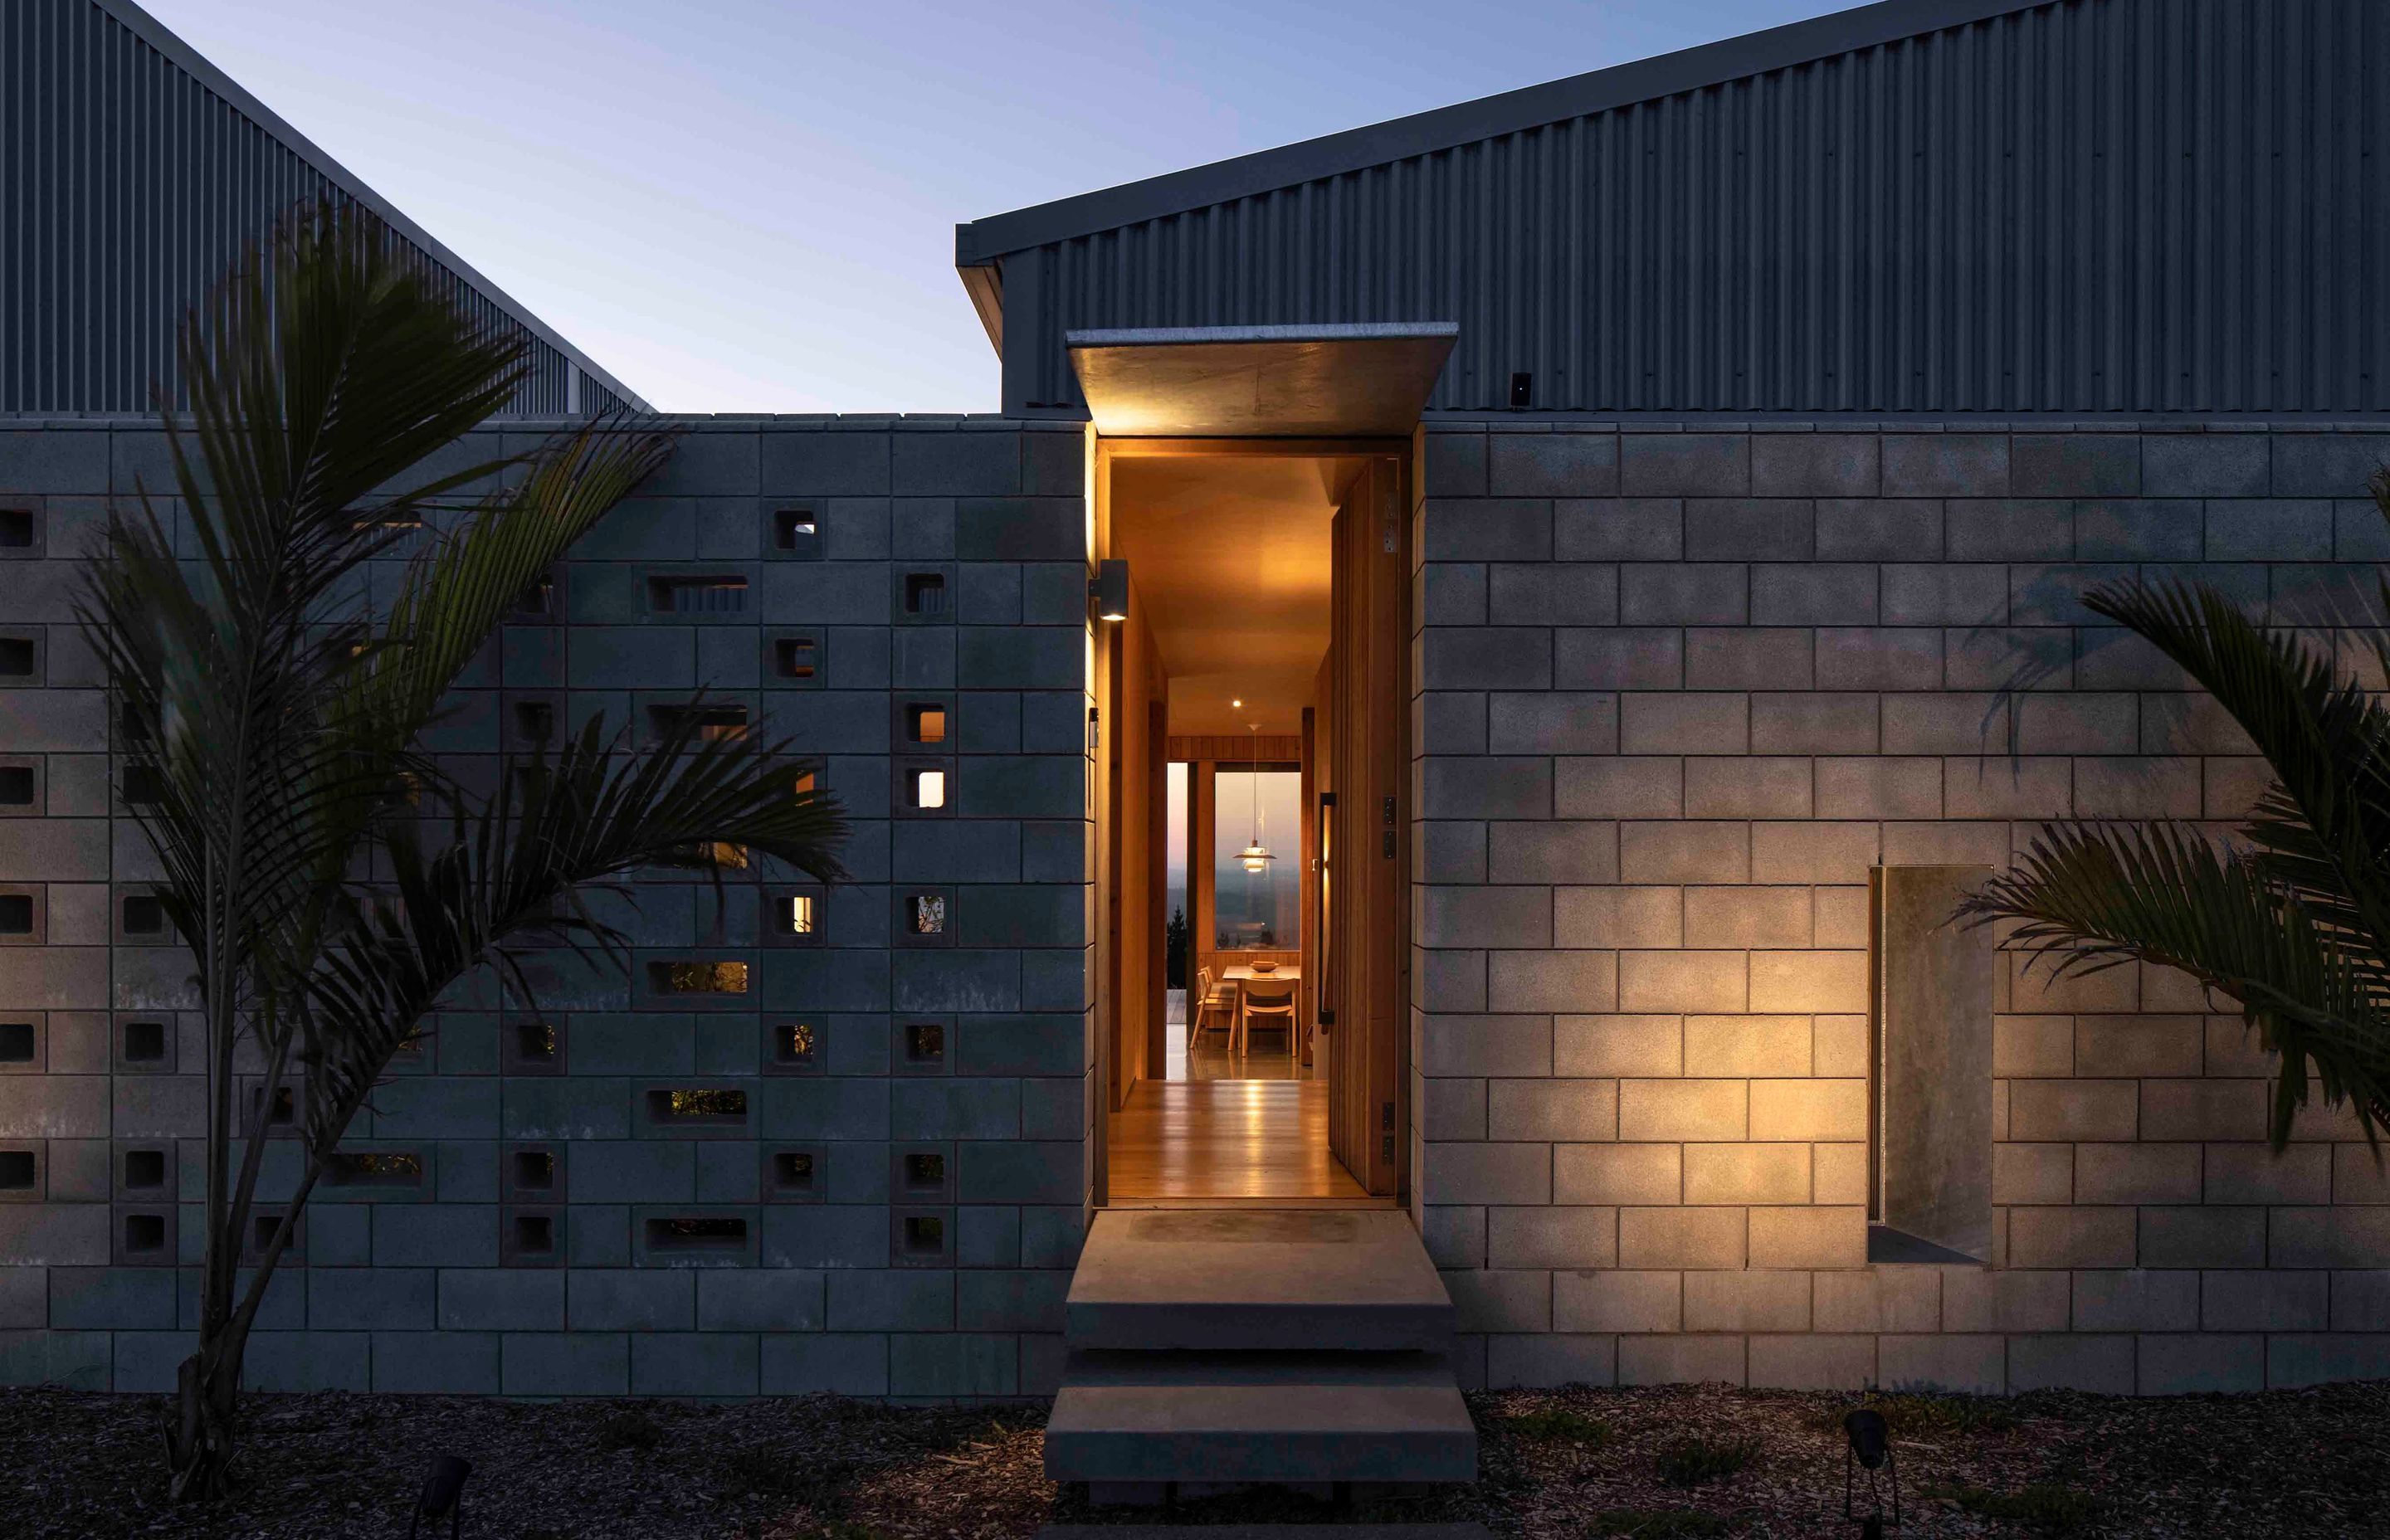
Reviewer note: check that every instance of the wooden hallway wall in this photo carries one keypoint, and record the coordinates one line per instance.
(1133, 731)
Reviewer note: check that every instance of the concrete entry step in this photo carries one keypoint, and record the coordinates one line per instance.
(1232, 1418)
(1206, 1280)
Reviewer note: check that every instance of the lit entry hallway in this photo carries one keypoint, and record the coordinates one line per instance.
(1251, 1303)
(1253, 1139)
(1228, 628)
(1226, 1125)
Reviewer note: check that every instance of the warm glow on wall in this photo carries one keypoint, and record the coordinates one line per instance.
(928, 788)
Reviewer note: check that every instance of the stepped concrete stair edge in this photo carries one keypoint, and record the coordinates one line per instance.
(1243, 1417)
(1267, 1532)
(1234, 1278)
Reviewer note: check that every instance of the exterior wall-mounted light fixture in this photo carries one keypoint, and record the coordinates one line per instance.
(1110, 590)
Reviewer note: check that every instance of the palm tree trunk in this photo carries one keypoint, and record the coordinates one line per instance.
(199, 1445)
(200, 1421)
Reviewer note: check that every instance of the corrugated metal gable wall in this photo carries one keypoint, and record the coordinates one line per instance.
(2095, 206)
(126, 189)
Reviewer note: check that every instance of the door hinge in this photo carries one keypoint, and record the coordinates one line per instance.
(1386, 1150)
(1386, 1115)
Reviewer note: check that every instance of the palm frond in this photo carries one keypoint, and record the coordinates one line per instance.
(2323, 828)
(321, 373)
(591, 815)
(2087, 897)
(457, 592)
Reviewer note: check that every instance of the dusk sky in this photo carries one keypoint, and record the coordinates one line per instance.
(740, 205)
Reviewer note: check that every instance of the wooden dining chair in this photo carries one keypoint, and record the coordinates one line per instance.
(1208, 998)
(1264, 997)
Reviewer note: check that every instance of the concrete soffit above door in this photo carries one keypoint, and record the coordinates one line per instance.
(1307, 382)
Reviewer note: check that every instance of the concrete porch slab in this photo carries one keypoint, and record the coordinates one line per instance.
(1256, 1279)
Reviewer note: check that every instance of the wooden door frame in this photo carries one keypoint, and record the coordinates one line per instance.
(1400, 456)
(1370, 771)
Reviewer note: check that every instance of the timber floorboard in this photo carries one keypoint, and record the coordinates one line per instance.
(1253, 1139)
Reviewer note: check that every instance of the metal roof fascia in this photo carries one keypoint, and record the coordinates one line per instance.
(981, 241)
(192, 62)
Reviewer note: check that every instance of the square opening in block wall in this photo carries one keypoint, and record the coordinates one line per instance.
(925, 1233)
(536, 720)
(795, 657)
(792, 1170)
(145, 914)
(534, 1235)
(796, 913)
(141, 786)
(18, 529)
(145, 1170)
(16, 914)
(925, 1043)
(925, 593)
(537, 1045)
(925, 914)
(284, 1112)
(925, 1170)
(796, 1044)
(926, 724)
(145, 1041)
(925, 788)
(534, 1170)
(796, 529)
(18, 1171)
(18, 1042)
(406, 791)
(145, 1233)
(15, 657)
(538, 600)
(16, 786)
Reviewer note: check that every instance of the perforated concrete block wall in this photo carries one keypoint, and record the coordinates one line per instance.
(863, 1171)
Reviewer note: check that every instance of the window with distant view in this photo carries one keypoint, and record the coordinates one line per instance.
(1255, 910)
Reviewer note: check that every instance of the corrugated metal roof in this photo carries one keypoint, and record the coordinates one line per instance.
(131, 172)
(2079, 206)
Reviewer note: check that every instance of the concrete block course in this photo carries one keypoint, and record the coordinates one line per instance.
(1836, 646)
(1683, 685)
(416, 1295)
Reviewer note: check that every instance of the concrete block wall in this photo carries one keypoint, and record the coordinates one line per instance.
(1680, 685)
(551, 1227)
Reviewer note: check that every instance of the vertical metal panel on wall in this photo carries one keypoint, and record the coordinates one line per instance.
(127, 189)
(2087, 206)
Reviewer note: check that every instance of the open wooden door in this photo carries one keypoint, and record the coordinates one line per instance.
(1365, 892)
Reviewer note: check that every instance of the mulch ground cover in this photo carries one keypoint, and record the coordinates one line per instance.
(1575, 1464)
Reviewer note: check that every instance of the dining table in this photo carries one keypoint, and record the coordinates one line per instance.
(1240, 974)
